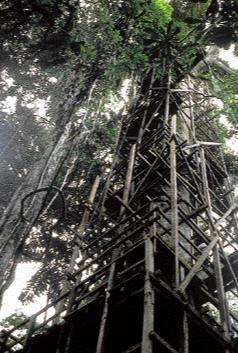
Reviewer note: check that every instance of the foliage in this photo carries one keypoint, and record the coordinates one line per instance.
(9, 323)
(106, 42)
(160, 12)
(230, 97)
(231, 161)
(226, 88)
(133, 49)
(13, 320)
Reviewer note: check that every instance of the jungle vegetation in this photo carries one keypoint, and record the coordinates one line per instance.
(69, 72)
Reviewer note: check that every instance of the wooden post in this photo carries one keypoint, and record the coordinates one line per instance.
(174, 198)
(228, 212)
(91, 199)
(102, 331)
(149, 295)
(185, 334)
(101, 342)
(190, 101)
(126, 191)
(75, 253)
(229, 265)
(167, 100)
(223, 306)
(184, 342)
(143, 121)
(181, 288)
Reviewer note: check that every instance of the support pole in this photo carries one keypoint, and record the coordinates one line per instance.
(173, 180)
(163, 342)
(190, 101)
(181, 288)
(84, 222)
(101, 343)
(223, 306)
(102, 331)
(76, 249)
(126, 191)
(143, 122)
(149, 295)
(184, 343)
(167, 100)
(174, 198)
(185, 348)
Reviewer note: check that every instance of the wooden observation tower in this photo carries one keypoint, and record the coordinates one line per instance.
(157, 243)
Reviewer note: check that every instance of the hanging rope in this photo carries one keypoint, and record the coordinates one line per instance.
(48, 188)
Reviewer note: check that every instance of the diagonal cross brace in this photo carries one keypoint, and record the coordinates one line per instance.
(223, 218)
(181, 288)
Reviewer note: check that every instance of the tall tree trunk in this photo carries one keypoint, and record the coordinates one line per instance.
(14, 229)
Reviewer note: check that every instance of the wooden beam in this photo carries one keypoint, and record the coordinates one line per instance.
(133, 348)
(126, 190)
(142, 182)
(149, 295)
(158, 338)
(174, 197)
(193, 313)
(167, 100)
(228, 212)
(78, 245)
(185, 331)
(223, 306)
(181, 288)
(102, 331)
(101, 342)
(229, 266)
(147, 103)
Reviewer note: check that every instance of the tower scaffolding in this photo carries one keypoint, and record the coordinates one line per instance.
(157, 269)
